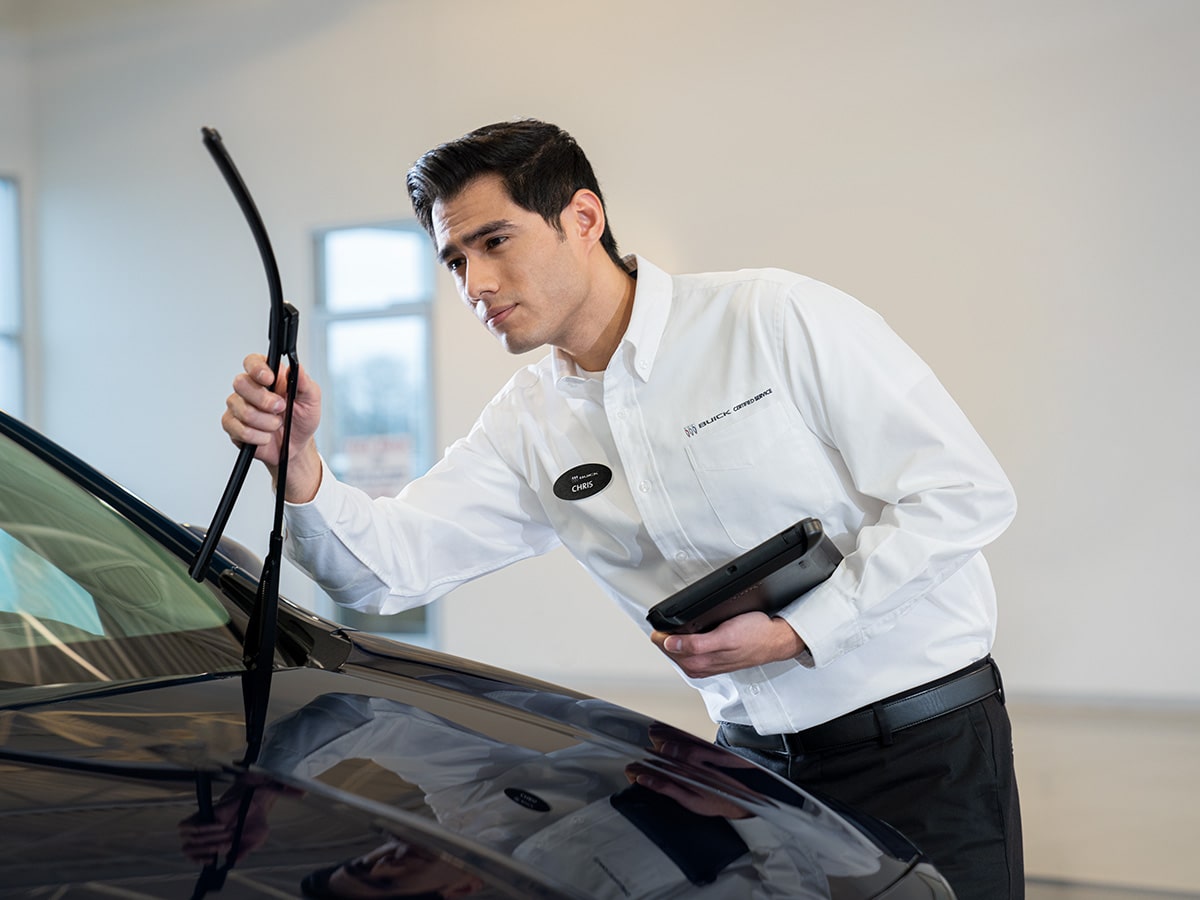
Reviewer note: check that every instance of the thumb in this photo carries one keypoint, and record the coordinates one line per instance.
(676, 643)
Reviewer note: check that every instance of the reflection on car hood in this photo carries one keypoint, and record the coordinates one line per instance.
(438, 777)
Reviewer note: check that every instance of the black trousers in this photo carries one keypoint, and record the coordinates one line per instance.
(948, 785)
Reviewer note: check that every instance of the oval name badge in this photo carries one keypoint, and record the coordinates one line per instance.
(582, 481)
(527, 799)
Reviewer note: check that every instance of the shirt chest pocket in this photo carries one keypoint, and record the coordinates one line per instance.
(760, 471)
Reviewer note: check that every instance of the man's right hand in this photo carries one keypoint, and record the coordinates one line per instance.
(254, 416)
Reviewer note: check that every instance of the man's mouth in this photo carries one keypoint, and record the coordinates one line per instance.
(496, 315)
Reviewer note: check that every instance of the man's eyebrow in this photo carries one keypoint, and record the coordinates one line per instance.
(474, 237)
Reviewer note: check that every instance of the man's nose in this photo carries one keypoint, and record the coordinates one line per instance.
(480, 280)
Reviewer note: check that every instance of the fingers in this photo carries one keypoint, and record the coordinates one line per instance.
(253, 412)
(260, 391)
(249, 423)
(247, 426)
(746, 640)
(687, 646)
(255, 365)
(703, 803)
(258, 386)
(201, 843)
(690, 652)
(686, 748)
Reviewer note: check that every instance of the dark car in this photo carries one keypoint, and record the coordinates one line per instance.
(143, 753)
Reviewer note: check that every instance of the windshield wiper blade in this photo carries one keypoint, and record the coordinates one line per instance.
(258, 649)
(281, 339)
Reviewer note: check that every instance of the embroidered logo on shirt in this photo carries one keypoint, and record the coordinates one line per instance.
(693, 430)
(582, 481)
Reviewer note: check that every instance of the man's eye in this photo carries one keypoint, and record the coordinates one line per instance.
(494, 242)
(454, 264)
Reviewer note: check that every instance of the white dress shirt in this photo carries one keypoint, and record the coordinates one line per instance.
(735, 405)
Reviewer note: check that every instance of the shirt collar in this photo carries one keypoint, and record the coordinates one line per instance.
(647, 321)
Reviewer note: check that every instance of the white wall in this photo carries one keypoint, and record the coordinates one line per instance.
(16, 117)
(1013, 185)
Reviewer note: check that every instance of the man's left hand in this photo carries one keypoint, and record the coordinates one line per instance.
(751, 639)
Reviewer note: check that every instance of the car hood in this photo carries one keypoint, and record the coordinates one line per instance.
(518, 790)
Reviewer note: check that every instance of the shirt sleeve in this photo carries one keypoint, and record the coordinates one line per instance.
(904, 442)
(469, 515)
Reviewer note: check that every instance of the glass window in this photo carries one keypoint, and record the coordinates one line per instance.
(378, 372)
(86, 596)
(375, 288)
(12, 380)
(375, 268)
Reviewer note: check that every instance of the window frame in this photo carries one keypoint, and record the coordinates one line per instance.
(323, 318)
(16, 337)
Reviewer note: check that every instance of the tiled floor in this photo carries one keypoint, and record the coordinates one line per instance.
(1110, 796)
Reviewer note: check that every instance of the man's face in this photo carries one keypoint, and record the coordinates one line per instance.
(523, 279)
(396, 869)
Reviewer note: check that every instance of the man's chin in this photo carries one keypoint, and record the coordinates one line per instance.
(515, 345)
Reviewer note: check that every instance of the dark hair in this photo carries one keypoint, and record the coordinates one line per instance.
(540, 164)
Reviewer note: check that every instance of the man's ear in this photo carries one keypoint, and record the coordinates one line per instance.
(584, 216)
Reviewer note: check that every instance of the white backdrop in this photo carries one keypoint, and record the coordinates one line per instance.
(1012, 185)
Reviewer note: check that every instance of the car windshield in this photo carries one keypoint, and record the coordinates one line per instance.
(87, 597)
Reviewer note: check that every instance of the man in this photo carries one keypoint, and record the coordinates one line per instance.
(707, 413)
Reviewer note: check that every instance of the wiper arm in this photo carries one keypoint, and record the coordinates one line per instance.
(258, 651)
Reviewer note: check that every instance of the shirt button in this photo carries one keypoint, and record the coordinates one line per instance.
(681, 555)
(644, 487)
(754, 689)
(621, 414)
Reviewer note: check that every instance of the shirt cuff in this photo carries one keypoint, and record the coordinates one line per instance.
(311, 519)
(827, 622)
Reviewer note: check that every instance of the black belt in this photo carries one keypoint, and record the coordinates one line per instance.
(878, 721)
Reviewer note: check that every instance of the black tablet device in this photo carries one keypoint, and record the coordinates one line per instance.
(766, 578)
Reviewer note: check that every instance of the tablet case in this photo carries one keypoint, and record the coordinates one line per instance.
(766, 578)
